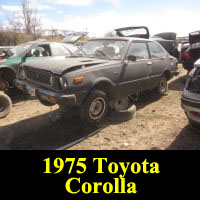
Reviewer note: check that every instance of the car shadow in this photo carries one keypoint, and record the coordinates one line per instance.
(40, 133)
(145, 99)
(188, 139)
(20, 98)
(178, 84)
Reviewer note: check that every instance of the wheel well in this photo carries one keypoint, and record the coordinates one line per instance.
(7, 75)
(104, 86)
(167, 74)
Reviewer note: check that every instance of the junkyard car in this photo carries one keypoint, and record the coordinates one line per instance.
(27, 52)
(103, 72)
(192, 53)
(191, 97)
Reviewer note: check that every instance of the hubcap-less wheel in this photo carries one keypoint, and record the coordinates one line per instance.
(120, 104)
(97, 109)
(163, 86)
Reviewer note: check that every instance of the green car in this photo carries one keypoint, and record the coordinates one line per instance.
(31, 51)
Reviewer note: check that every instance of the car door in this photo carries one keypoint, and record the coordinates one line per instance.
(158, 58)
(136, 72)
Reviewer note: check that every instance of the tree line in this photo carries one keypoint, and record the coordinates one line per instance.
(22, 26)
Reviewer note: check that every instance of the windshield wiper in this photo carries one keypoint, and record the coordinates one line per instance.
(102, 52)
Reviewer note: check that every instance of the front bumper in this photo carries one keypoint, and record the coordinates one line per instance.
(190, 102)
(52, 97)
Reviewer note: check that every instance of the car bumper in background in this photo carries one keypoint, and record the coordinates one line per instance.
(190, 102)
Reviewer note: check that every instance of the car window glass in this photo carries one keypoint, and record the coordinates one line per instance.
(59, 50)
(156, 50)
(139, 50)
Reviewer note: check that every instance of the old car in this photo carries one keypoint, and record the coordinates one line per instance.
(100, 75)
(191, 97)
(27, 52)
(192, 53)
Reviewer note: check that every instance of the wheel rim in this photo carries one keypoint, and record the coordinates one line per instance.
(121, 104)
(163, 86)
(97, 109)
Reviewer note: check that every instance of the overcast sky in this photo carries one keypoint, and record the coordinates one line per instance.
(101, 16)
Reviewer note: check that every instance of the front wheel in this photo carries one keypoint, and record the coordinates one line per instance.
(162, 87)
(95, 108)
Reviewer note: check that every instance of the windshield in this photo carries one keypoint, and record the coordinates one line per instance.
(70, 47)
(111, 49)
(22, 48)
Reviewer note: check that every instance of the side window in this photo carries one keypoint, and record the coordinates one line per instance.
(59, 50)
(156, 50)
(139, 50)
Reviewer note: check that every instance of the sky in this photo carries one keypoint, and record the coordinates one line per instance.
(101, 16)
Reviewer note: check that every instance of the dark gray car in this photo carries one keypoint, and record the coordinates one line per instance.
(102, 74)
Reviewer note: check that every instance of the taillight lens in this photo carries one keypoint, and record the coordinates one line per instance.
(186, 56)
(2, 60)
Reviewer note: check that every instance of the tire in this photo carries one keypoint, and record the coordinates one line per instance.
(122, 116)
(162, 87)
(5, 105)
(95, 107)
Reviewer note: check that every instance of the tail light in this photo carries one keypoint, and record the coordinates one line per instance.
(2, 60)
(186, 56)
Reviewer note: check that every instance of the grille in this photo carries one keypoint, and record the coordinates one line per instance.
(38, 76)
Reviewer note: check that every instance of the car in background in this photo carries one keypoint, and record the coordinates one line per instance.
(4, 50)
(101, 75)
(167, 39)
(192, 53)
(30, 51)
(191, 97)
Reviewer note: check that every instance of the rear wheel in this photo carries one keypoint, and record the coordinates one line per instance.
(5, 105)
(95, 108)
(162, 88)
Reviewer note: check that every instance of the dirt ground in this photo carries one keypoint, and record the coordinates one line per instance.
(160, 124)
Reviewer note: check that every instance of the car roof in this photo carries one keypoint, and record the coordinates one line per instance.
(122, 38)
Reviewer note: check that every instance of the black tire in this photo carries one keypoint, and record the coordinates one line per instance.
(162, 87)
(5, 105)
(99, 100)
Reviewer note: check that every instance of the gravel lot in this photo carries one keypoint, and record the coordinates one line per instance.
(160, 124)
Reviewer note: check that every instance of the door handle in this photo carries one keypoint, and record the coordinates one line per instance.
(149, 63)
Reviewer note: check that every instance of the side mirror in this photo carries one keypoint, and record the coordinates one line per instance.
(132, 58)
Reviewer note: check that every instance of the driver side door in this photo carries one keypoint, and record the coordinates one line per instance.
(135, 73)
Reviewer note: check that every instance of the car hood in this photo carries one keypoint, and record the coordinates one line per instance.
(63, 65)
